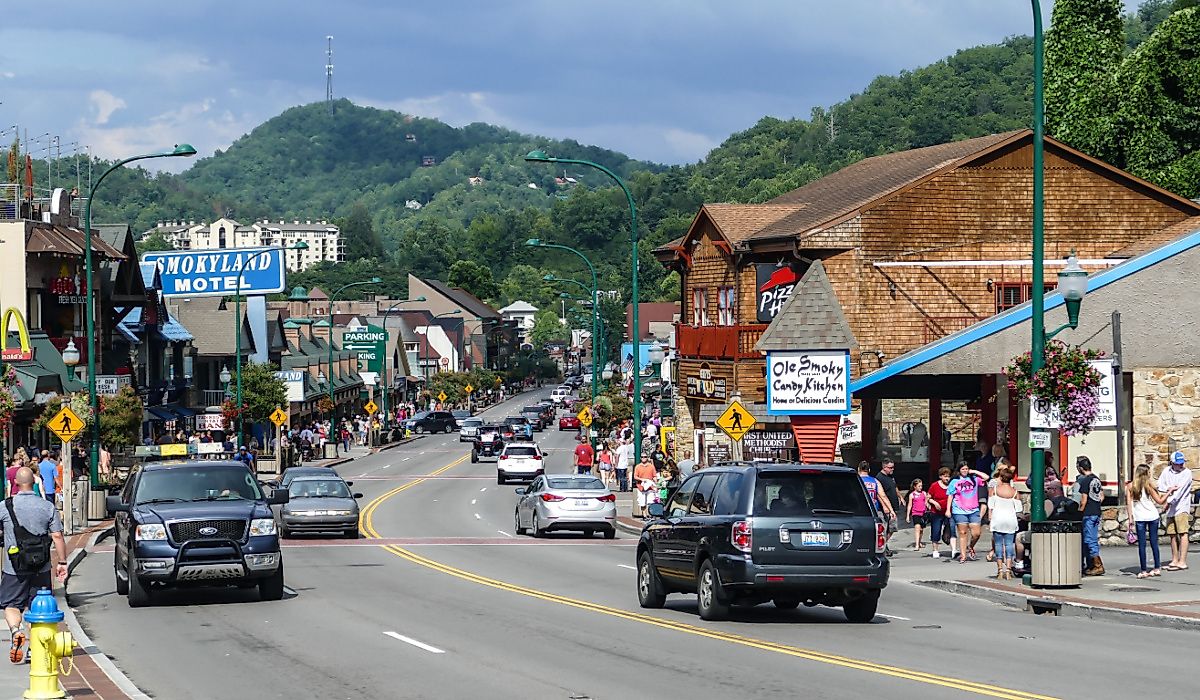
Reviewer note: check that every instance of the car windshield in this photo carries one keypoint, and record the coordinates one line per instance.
(516, 420)
(318, 488)
(521, 451)
(472, 423)
(576, 484)
(531, 409)
(461, 414)
(808, 492)
(198, 483)
(292, 474)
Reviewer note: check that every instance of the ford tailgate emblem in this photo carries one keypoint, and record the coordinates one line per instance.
(208, 531)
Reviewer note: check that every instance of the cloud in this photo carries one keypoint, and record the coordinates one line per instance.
(454, 108)
(105, 103)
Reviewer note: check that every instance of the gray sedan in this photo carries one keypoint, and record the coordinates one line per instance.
(566, 502)
(319, 504)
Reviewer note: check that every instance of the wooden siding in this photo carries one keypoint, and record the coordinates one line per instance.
(711, 269)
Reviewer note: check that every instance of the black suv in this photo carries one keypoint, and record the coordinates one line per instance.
(535, 416)
(198, 523)
(432, 422)
(744, 534)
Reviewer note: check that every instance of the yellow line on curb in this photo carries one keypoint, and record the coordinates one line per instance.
(368, 528)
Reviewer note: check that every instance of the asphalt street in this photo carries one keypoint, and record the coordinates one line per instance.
(449, 603)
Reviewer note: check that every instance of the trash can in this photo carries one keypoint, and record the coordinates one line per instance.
(1056, 553)
(330, 451)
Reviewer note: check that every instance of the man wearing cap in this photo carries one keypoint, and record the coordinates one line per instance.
(17, 590)
(1178, 508)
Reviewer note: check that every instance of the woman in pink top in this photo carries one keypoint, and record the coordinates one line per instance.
(918, 511)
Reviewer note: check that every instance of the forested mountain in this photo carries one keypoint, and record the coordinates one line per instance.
(479, 201)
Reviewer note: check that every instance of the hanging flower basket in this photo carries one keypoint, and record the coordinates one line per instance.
(1066, 381)
(230, 410)
(8, 399)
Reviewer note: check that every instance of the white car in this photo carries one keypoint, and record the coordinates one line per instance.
(560, 394)
(566, 502)
(521, 460)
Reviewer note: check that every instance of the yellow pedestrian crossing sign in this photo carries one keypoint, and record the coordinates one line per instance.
(441, 396)
(736, 421)
(279, 417)
(585, 416)
(468, 388)
(370, 408)
(66, 424)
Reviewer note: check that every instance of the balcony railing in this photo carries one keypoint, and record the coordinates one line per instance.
(213, 397)
(719, 342)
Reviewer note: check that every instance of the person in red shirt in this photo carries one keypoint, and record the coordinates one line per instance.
(936, 507)
(583, 458)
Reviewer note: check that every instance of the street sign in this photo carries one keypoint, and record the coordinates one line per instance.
(468, 388)
(736, 421)
(441, 396)
(199, 273)
(1039, 439)
(585, 416)
(65, 424)
(370, 408)
(279, 417)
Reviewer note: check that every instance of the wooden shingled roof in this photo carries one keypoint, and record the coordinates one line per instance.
(1159, 238)
(812, 318)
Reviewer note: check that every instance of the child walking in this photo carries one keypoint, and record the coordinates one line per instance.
(918, 512)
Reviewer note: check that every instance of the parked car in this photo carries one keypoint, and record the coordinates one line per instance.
(469, 429)
(743, 534)
(488, 443)
(431, 422)
(522, 460)
(195, 523)
(566, 502)
(568, 422)
(535, 416)
(320, 504)
(282, 481)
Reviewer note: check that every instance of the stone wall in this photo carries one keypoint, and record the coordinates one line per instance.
(1166, 415)
(1114, 523)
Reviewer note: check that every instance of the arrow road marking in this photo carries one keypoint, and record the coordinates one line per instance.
(415, 643)
(626, 566)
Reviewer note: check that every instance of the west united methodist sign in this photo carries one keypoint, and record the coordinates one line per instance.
(200, 273)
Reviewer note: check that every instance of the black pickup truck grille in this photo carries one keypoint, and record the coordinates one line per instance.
(191, 530)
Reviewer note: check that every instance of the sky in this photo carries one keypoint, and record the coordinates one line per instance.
(660, 80)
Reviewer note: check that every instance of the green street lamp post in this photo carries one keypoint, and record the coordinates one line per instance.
(386, 378)
(237, 320)
(181, 150)
(333, 297)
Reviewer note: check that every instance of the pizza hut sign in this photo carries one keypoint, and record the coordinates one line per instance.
(774, 285)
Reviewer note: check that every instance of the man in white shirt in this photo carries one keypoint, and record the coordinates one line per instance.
(1179, 508)
(624, 460)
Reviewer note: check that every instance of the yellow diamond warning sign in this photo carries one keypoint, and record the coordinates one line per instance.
(370, 408)
(65, 424)
(468, 388)
(736, 421)
(585, 416)
(279, 417)
(441, 396)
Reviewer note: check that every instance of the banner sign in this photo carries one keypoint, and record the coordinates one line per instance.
(294, 379)
(1043, 415)
(201, 273)
(808, 382)
(759, 444)
(850, 429)
(110, 384)
(703, 385)
(774, 285)
(210, 421)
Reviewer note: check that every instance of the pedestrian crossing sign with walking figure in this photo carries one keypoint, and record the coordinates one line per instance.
(66, 424)
(279, 417)
(736, 421)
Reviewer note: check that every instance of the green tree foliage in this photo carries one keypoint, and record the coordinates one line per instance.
(1084, 46)
(525, 283)
(262, 391)
(474, 278)
(455, 384)
(156, 241)
(359, 235)
(547, 328)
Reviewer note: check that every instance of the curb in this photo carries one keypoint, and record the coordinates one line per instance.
(1066, 607)
(628, 529)
(86, 644)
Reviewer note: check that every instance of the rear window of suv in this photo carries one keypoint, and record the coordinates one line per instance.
(801, 493)
(520, 451)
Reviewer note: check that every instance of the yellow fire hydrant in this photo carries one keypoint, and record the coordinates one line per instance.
(47, 646)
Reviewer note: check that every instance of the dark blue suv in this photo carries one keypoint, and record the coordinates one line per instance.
(195, 523)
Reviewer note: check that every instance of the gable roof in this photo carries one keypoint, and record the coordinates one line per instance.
(518, 307)
(211, 326)
(461, 297)
(1159, 238)
(737, 222)
(812, 318)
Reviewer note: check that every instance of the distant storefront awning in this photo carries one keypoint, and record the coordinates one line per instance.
(181, 411)
(160, 413)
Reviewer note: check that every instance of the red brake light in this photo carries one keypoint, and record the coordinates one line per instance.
(536, 457)
(552, 497)
(503, 456)
(880, 537)
(774, 579)
(743, 534)
(610, 498)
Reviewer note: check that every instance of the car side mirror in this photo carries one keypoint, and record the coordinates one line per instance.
(521, 492)
(655, 510)
(358, 495)
(349, 483)
(114, 504)
(278, 497)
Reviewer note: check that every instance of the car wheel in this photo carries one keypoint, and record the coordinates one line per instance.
(500, 479)
(271, 588)
(610, 534)
(787, 603)
(650, 588)
(122, 584)
(862, 610)
(517, 527)
(351, 534)
(538, 531)
(139, 593)
(474, 457)
(708, 594)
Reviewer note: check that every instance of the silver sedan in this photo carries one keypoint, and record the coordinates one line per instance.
(566, 502)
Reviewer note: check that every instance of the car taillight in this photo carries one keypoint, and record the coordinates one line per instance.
(743, 534)
(503, 456)
(880, 537)
(552, 497)
(536, 457)
(610, 498)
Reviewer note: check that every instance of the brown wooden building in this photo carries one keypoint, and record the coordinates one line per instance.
(915, 245)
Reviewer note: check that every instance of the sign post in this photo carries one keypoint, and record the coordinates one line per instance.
(66, 425)
(736, 421)
(278, 417)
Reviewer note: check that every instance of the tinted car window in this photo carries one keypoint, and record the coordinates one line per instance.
(702, 500)
(678, 504)
(520, 451)
(420, 415)
(198, 483)
(472, 423)
(589, 484)
(801, 493)
(726, 496)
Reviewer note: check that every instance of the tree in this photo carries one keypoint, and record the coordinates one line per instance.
(1084, 46)
(359, 235)
(474, 278)
(14, 160)
(155, 242)
(524, 282)
(120, 418)
(547, 328)
(262, 391)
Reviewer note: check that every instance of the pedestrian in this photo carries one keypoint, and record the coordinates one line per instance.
(1143, 503)
(964, 508)
(245, 457)
(1004, 503)
(31, 525)
(1091, 491)
(10, 477)
(940, 530)
(1053, 487)
(645, 477)
(687, 465)
(48, 470)
(1177, 481)
(605, 460)
(624, 460)
(873, 491)
(887, 483)
(918, 512)
(584, 457)
(985, 503)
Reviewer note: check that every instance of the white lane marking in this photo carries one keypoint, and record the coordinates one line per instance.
(483, 489)
(406, 459)
(895, 617)
(385, 466)
(361, 475)
(626, 566)
(502, 532)
(415, 643)
(477, 517)
(473, 501)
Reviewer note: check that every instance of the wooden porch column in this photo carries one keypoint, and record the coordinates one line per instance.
(870, 407)
(935, 439)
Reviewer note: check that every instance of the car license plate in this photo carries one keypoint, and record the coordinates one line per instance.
(814, 539)
(582, 503)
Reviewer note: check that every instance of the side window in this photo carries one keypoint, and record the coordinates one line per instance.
(678, 505)
(702, 501)
(536, 485)
(726, 497)
(130, 485)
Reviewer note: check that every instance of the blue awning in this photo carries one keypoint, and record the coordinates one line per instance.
(181, 411)
(161, 413)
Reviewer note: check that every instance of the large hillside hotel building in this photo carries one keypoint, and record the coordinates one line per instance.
(324, 240)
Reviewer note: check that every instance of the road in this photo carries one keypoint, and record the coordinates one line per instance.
(448, 603)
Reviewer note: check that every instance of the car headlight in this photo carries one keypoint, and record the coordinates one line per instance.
(152, 531)
(262, 526)
(341, 512)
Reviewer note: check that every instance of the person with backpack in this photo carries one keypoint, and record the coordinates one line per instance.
(31, 525)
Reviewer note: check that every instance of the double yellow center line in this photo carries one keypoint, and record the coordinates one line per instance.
(973, 687)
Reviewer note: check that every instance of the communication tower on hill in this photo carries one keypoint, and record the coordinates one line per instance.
(329, 73)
